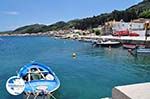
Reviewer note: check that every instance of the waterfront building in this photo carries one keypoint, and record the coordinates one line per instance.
(121, 26)
(135, 26)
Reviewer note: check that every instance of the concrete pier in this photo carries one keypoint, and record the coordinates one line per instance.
(125, 38)
(135, 91)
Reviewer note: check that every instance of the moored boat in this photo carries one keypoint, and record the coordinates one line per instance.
(140, 50)
(39, 79)
(129, 46)
(132, 46)
(143, 50)
(108, 43)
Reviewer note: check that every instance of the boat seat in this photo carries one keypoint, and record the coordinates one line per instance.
(49, 77)
(36, 76)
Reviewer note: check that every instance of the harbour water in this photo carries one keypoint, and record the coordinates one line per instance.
(91, 75)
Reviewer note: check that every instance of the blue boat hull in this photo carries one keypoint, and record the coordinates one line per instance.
(33, 85)
(143, 50)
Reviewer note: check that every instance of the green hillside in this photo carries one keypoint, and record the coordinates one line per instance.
(140, 10)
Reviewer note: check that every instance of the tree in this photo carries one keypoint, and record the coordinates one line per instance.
(145, 14)
(97, 32)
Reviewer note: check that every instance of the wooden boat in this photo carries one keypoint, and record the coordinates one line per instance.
(132, 46)
(129, 46)
(39, 79)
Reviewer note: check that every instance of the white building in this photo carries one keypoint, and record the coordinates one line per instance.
(136, 27)
(121, 26)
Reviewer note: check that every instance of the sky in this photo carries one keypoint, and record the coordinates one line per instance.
(16, 13)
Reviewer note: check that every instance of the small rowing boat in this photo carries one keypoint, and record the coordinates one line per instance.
(132, 46)
(129, 46)
(39, 79)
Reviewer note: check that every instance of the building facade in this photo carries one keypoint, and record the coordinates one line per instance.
(135, 26)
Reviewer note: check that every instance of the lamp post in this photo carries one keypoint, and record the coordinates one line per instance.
(146, 27)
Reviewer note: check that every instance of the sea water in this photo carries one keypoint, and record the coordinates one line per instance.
(90, 75)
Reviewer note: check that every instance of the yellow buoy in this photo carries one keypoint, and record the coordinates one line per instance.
(74, 55)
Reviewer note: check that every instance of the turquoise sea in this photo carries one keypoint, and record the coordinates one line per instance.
(92, 75)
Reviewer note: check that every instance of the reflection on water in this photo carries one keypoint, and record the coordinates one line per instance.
(91, 75)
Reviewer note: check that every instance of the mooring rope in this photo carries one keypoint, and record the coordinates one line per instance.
(52, 95)
(36, 95)
(28, 95)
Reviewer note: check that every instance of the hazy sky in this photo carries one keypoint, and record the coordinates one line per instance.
(16, 13)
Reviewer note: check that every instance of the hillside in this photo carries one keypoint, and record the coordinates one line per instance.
(140, 10)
